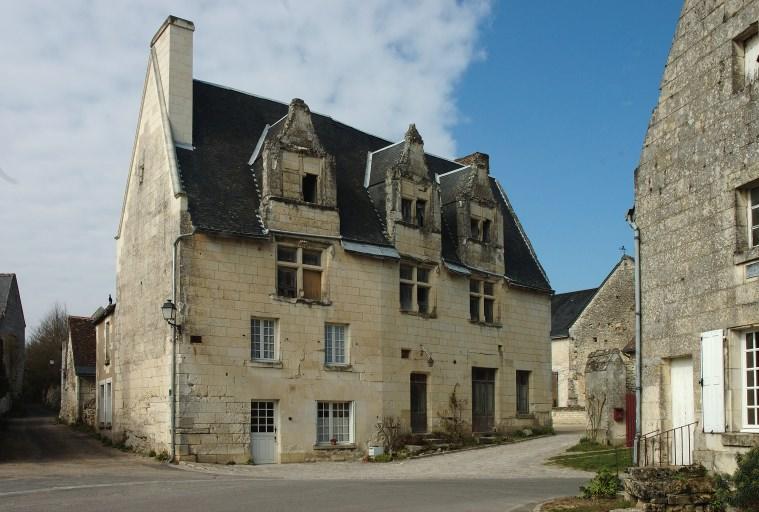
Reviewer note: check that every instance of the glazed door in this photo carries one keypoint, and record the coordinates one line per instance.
(263, 431)
(483, 399)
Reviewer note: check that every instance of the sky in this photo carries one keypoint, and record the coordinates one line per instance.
(558, 93)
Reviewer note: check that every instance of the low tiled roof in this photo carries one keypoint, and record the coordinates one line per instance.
(82, 332)
(223, 191)
(566, 308)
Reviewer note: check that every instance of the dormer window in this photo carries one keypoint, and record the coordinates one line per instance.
(474, 228)
(406, 207)
(421, 207)
(486, 231)
(414, 211)
(309, 187)
(480, 229)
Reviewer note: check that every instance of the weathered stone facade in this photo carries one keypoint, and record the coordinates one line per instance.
(692, 194)
(78, 372)
(12, 342)
(258, 294)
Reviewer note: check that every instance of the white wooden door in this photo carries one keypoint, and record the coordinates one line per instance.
(681, 440)
(263, 431)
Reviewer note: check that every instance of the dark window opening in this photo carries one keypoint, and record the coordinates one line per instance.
(406, 293)
(486, 231)
(421, 206)
(555, 388)
(405, 353)
(289, 254)
(407, 272)
(422, 275)
(489, 310)
(523, 392)
(312, 258)
(474, 228)
(474, 309)
(287, 282)
(423, 299)
(406, 210)
(309, 187)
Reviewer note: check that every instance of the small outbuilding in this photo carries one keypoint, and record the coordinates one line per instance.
(78, 372)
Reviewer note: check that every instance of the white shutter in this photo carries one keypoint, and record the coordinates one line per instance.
(712, 381)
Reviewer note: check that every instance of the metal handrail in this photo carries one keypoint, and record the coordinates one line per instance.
(667, 448)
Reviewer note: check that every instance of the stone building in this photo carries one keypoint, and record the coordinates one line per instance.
(586, 321)
(697, 211)
(323, 278)
(12, 342)
(104, 332)
(78, 372)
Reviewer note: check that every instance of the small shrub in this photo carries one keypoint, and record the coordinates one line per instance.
(151, 453)
(385, 457)
(542, 431)
(604, 485)
(231, 463)
(455, 427)
(746, 481)
(163, 456)
(722, 493)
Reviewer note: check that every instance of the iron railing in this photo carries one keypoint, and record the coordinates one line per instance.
(673, 447)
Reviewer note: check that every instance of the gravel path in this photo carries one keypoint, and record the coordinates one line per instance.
(512, 461)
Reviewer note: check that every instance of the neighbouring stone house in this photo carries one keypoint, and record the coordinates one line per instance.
(586, 321)
(697, 211)
(323, 278)
(104, 336)
(78, 372)
(12, 342)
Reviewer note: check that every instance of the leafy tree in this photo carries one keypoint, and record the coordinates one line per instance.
(44, 345)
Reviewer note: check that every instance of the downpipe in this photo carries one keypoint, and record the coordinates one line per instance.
(638, 355)
(174, 343)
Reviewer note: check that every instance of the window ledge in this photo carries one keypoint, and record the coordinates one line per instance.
(742, 439)
(741, 257)
(417, 313)
(262, 363)
(525, 416)
(301, 202)
(346, 446)
(480, 242)
(337, 367)
(486, 324)
(408, 224)
(308, 302)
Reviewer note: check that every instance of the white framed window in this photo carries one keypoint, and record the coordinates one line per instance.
(107, 342)
(753, 216)
(751, 58)
(105, 403)
(334, 422)
(415, 288)
(335, 344)
(299, 272)
(750, 370)
(481, 301)
(263, 346)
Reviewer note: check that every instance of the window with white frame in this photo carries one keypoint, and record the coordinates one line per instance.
(751, 58)
(299, 272)
(105, 403)
(753, 216)
(334, 422)
(481, 301)
(414, 288)
(751, 381)
(107, 342)
(335, 352)
(263, 339)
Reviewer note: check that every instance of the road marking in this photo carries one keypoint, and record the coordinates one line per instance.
(117, 484)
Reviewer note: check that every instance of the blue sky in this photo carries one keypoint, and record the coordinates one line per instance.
(561, 103)
(558, 93)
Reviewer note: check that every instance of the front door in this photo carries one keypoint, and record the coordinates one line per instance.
(418, 402)
(263, 431)
(483, 399)
(681, 440)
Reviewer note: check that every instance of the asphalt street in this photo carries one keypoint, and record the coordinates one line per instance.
(48, 466)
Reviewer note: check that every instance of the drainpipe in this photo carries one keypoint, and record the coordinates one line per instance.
(174, 342)
(638, 356)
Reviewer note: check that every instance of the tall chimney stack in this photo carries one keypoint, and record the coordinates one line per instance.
(173, 49)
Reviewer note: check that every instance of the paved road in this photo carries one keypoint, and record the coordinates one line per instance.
(46, 466)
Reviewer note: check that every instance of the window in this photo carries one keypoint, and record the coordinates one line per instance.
(481, 301)
(262, 417)
(333, 423)
(421, 208)
(334, 344)
(480, 229)
(105, 408)
(308, 187)
(299, 272)
(751, 58)
(414, 288)
(406, 207)
(107, 342)
(754, 215)
(413, 211)
(262, 345)
(751, 381)
(523, 392)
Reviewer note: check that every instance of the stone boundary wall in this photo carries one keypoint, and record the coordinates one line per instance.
(572, 416)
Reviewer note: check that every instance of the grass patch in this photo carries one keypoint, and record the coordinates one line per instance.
(583, 505)
(590, 456)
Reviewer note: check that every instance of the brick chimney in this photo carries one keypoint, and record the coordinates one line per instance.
(173, 49)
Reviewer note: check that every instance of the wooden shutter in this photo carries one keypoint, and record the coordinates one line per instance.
(712, 382)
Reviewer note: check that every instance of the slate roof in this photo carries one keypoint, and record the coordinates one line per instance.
(9, 290)
(566, 308)
(223, 191)
(82, 332)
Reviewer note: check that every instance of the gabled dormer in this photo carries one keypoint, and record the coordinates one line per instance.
(473, 214)
(298, 188)
(407, 196)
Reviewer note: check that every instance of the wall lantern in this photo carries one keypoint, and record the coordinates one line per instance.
(169, 311)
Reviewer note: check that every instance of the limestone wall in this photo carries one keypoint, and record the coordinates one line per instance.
(699, 151)
(69, 411)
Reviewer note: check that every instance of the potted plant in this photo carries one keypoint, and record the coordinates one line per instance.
(333, 441)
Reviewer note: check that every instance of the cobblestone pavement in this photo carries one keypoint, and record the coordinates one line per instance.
(524, 459)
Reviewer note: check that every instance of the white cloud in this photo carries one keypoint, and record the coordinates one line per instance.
(72, 79)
